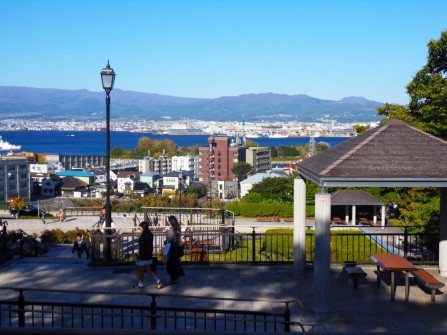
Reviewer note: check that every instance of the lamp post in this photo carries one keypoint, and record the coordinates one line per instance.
(180, 186)
(108, 79)
(9, 185)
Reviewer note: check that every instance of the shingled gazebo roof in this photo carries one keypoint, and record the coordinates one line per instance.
(393, 154)
(354, 197)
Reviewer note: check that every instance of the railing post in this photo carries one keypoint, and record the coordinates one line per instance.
(223, 216)
(3, 236)
(21, 246)
(153, 313)
(21, 309)
(287, 318)
(93, 248)
(405, 242)
(253, 247)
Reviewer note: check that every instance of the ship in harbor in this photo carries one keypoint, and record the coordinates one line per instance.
(6, 146)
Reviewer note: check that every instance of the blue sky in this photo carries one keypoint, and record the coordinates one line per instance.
(325, 49)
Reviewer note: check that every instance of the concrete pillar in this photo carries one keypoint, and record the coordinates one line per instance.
(354, 216)
(383, 217)
(299, 226)
(375, 215)
(443, 234)
(347, 214)
(322, 254)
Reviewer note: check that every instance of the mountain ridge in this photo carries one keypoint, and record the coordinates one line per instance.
(81, 104)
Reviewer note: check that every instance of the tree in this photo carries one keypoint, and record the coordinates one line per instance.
(360, 129)
(241, 170)
(279, 189)
(402, 113)
(427, 109)
(251, 144)
(118, 152)
(273, 151)
(17, 203)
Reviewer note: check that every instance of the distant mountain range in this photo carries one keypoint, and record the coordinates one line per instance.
(56, 104)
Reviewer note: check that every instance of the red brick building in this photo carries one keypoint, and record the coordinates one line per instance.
(217, 159)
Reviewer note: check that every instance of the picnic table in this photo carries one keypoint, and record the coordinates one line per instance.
(393, 263)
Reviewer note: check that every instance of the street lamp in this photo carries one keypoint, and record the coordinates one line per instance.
(9, 185)
(180, 186)
(108, 80)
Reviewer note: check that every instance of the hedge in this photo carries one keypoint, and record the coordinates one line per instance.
(265, 209)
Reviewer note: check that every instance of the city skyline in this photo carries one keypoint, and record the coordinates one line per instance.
(328, 50)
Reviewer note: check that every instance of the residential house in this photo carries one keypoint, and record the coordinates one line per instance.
(126, 181)
(224, 189)
(87, 177)
(51, 186)
(153, 179)
(74, 187)
(175, 180)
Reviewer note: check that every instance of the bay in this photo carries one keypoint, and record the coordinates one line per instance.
(94, 142)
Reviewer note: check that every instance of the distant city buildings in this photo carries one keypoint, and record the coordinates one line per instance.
(186, 163)
(14, 178)
(260, 158)
(161, 165)
(218, 158)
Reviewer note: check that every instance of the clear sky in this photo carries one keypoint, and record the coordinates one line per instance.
(325, 49)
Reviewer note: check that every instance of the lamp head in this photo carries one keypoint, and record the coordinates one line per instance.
(108, 78)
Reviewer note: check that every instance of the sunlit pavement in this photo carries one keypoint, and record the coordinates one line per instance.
(366, 309)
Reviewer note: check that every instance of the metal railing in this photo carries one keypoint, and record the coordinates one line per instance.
(222, 244)
(50, 313)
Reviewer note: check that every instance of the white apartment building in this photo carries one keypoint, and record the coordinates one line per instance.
(186, 163)
(161, 165)
(44, 168)
(14, 178)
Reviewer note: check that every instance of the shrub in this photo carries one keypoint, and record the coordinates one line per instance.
(234, 207)
(57, 235)
(278, 242)
(310, 211)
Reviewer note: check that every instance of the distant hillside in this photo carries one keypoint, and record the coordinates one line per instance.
(20, 102)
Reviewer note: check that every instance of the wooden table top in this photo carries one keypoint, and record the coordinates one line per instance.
(392, 263)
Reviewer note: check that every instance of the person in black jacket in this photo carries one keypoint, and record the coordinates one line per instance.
(173, 266)
(145, 260)
(80, 245)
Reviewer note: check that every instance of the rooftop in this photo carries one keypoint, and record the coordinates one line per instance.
(393, 154)
(75, 173)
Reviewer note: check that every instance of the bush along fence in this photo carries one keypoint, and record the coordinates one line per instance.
(220, 244)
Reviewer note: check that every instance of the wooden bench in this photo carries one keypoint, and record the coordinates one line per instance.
(288, 219)
(268, 219)
(355, 273)
(428, 281)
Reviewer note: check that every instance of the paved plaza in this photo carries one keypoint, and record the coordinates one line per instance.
(365, 309)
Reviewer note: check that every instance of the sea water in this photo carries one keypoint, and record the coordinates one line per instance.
(94, 142)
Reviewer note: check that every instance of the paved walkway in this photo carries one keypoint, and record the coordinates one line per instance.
(366, 309)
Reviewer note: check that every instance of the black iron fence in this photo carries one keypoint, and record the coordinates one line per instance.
(220, 244)
(48, 313)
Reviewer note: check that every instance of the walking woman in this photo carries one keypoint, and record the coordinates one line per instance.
(173, 265)
(145, 261)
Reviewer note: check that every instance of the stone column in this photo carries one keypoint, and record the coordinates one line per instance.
(443, 234)
(354, 216)
(383, 217)
(375, 214)
(299, 226)
(347, 214)
(322, 253)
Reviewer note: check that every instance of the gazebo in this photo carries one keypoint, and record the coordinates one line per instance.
(391, 155)
(356, 198)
